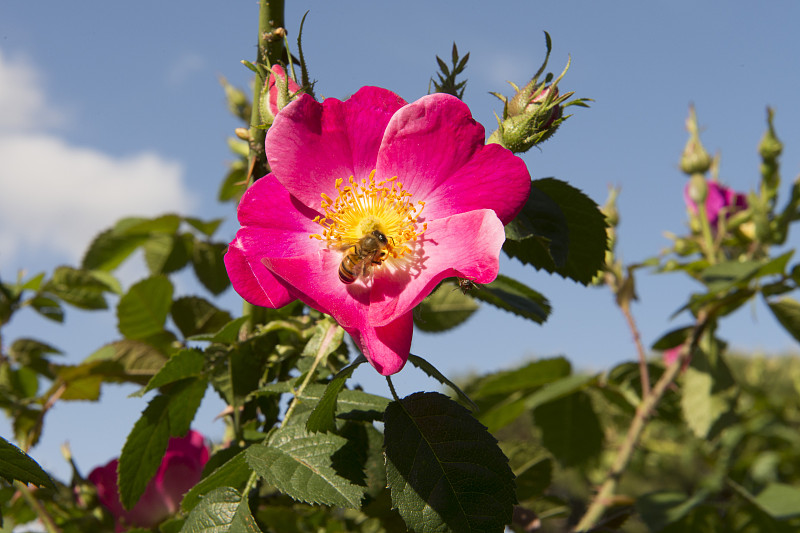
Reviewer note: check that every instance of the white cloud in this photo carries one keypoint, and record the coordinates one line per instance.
(55, 196)
(59, 196)
(22, 100)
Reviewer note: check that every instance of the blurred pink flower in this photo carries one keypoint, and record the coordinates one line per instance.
(179, 471)
(419, 174)
(718, 198)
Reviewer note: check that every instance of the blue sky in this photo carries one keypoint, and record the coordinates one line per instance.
(113, 109)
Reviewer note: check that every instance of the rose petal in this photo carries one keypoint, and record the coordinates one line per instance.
(436, 150)
(386, 347)
(310, 144)
(253, 282)
(465, 245)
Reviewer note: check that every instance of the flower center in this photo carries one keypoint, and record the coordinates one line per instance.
(359, 209)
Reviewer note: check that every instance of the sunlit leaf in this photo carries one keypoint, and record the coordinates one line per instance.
(298, 463)
(143, 310)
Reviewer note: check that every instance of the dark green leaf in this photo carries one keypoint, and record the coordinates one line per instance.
(673, 338)
(233, 473)
(234, 184)
(138, 359)
(78, 287)
(322, 417)
(167, 415)
(658, 509)
(194, 316)
(579, 439)
(444, 309)
(165, 253)
(143, 310)
(513, 296)
(534, 478)
(109, 249)
(208, 265)
(25, 351)
(48, 308)
(15, 464)
(787, 311)
(217, 512)
(143, 450)
(560, 230)
(298, 463)
(445, 471)
(227, 334)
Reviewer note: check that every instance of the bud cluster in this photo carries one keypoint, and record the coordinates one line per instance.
(534, 113)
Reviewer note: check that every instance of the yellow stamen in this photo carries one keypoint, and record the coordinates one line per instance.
(362, 207)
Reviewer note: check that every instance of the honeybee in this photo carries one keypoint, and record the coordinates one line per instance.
(370, 250)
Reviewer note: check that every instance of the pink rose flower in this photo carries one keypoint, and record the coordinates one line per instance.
(717, 199)
(418, 174)
(179, 471)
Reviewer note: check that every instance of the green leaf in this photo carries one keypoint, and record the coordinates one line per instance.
(233, 473)
(322, 417)
(530, 376)
(218, 512)
(194, 316)
(560, 230)
(780, 501)
(558, 389)
(234, 184)
(534, 478)
(659, 509)
(208, 265)
(139, 360)
(26, 351)
(184, 364)
(446, 308)
(143, 310)
(79, 288)
(299, 464)
(227, 334)
(165, 253)
(48, 308)
(787, 311)
(445, 471)
(511, 295)
(346, 404)
(168, 224)
(167, 415)
(575, 442)
(709, 392)
(433, 372)
(143, 450)
(16, 464)
(110, 249)
(206, 227)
